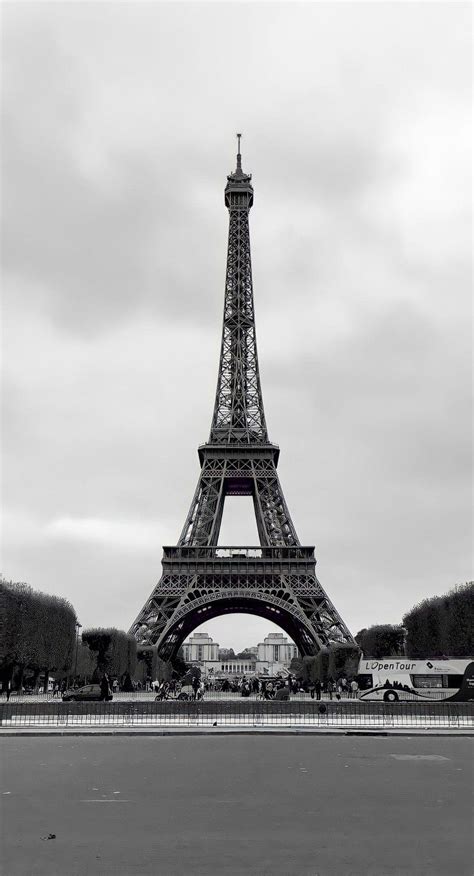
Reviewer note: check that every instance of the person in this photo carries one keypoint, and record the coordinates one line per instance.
(115, 685)
(195, 685)
(311, 689)
(56, 689)
(331, 687)
(245, 689)
(8, 689)
(317, 687)
(104, 687)
(354, 688)
(269, 693)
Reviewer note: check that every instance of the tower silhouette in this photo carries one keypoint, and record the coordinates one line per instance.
(200, 579)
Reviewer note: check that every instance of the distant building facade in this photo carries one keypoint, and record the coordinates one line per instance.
(270, 657)
(200, 648)
(275, 654)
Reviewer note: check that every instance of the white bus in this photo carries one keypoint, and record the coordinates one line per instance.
(389, 679)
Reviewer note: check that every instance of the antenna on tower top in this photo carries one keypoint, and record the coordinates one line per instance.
(239, 157)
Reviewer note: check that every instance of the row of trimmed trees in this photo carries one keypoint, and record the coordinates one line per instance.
(37, 633)
(38, 639)
(436, 627)
(440, 626)
(330, 663)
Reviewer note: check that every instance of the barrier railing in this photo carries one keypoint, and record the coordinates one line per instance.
(237, 713)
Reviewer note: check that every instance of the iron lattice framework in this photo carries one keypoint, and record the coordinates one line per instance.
(200, 579)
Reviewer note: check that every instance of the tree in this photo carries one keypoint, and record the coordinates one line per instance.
(343, 661)
(226, 653)
(459, 621)
(85, 665)
(381, 640)
(297, 668)
(180, 667)
(116, 651)
(247, 654)
(37, 633)
(443, 625)
(193, 672)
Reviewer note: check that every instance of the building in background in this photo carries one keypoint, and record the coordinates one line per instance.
(275, 654)
(270, 657)
(200, 648)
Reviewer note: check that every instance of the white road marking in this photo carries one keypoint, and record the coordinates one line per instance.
(104, 801)
(419, 757)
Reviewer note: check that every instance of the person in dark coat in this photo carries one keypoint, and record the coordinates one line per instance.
(317, 688)
(195, 685)
(104, 687)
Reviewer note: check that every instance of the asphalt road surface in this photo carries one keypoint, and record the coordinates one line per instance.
(299, 806)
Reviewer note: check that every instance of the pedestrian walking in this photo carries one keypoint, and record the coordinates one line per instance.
(105, 691)
(311, 689)
(318, 688)
(195, 686)
(354, 688)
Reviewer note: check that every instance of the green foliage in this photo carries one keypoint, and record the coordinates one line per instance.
(180, 667)
(317, 667)
(192, 672)
(37, 630)
(86, 662)
(343, 661)
(297, 668)
(247, 654)
(226, 653)
(332, 662)
(116, 651)
(442, 625)
(381, 640)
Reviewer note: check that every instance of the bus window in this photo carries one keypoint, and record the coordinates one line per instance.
(427, 681)
(365, 681)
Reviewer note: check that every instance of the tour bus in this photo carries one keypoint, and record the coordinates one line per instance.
(390, 679)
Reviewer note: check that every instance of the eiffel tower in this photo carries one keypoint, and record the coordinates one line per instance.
(202, 580)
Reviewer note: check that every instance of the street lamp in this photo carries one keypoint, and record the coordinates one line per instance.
(78, 627)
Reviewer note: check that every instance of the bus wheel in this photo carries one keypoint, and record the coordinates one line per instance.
(390, 697)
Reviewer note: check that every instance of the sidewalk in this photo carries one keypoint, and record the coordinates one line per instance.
(234, 731)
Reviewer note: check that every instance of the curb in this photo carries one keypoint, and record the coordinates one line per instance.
(237, 731)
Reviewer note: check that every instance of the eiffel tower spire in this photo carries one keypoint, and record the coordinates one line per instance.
(276, 580)
(238, 411)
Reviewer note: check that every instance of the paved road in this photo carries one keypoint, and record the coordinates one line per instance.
(257, 806)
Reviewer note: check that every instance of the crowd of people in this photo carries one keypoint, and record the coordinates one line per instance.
(196, 687)
(265, 689)
(334, 689)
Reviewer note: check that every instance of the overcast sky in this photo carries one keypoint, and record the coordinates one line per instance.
(119, 129)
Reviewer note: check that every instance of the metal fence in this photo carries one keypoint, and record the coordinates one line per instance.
(220, 695)
(245, 713)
